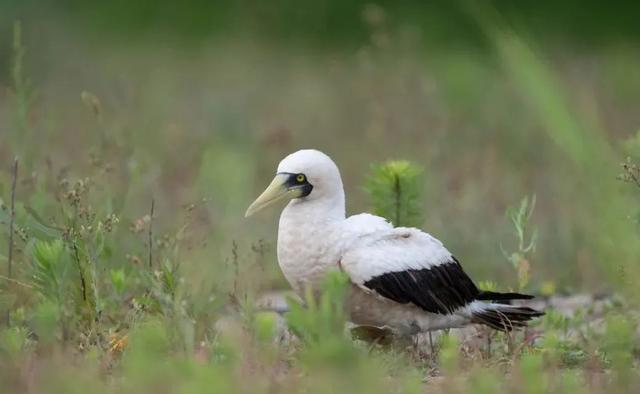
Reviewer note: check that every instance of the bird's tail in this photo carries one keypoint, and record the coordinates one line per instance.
(504, 317)
(494, 296)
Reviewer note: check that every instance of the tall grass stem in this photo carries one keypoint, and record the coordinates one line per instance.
(11, 225)
(151, 212)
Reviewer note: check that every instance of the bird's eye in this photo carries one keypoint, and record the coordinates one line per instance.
(300, 178)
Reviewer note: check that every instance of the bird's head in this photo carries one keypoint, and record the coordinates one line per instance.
(306, 174)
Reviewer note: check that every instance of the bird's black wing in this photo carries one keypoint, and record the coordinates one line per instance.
(441, 288)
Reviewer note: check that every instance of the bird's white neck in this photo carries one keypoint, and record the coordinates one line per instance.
(306, 227)
(327, 208)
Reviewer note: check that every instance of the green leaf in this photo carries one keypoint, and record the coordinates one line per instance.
(118, 280)
(486, 285)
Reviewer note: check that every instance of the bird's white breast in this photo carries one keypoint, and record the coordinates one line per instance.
(310, 245)
(306, 251)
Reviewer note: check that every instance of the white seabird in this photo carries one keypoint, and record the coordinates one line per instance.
(402, 278)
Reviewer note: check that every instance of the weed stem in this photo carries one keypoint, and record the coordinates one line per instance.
(17, 282)
(153, 203)
(11, 225)
(83, 284)
(397, 195)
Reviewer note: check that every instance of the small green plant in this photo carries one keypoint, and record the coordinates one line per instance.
(319, 322)
(395, 190)
(526, 238)
(118, 280)
(449, 354)
(630, 172)
(319, 318)
(619, 346)
(13, 341)
(530, 369)
(51, 269)
(487, 285)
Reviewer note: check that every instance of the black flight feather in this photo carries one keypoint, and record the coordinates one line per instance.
(444, 288)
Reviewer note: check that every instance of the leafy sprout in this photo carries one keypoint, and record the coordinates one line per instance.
(395, 190)
(526, 239)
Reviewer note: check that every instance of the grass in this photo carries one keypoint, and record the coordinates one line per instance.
(129, 267)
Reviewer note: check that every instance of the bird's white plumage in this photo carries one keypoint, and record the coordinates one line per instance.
(392, 250)
(314, 236)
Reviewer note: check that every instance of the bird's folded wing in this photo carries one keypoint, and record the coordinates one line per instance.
(409, 266)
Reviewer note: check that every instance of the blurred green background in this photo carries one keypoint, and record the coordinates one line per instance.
(201, 99)
(331, 23)
(144, 129)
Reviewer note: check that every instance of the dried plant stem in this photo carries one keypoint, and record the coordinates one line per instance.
(635, 178)
(236, 267)
(11, 225)
(153, 203)
(396, 189)
(83, 283)
(12, 217)
(17, 282)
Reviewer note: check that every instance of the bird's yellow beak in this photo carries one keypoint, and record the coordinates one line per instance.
(277, 190)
